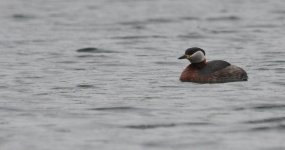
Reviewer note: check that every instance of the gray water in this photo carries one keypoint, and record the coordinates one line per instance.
(125, 93)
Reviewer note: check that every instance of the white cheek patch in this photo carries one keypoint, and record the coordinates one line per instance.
(197, 57)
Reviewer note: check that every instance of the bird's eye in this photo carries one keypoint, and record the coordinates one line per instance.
(188, 56)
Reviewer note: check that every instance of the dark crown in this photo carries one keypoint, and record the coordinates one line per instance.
(193, 50)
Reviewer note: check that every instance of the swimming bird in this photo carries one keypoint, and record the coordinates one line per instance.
(216, 71)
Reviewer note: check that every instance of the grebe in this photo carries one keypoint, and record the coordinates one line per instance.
(216, 71)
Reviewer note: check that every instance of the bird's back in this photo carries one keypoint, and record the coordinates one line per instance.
(230, 73)
(216, 71)
(213, 66)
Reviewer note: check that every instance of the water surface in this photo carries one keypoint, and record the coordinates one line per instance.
(123, 91)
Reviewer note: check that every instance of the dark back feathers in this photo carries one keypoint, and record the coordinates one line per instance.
(213, 66)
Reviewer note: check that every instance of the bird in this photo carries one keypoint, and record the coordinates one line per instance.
(215, 71)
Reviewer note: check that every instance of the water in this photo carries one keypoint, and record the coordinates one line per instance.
(125, 93)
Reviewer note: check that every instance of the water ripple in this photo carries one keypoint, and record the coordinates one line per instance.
(263, 107)
(119, 108)
(265, 128)
(85, 56)
(278, 11)
(3, 87)
(9, 109)
(23, 17)
(165, 125)
(191, 36)
(224, 18)
(270, 106)
(267, 120)
(94, 50)
(159, 20)
(139, 37)
(166, 63)
(223, 31)
(85, 86)
(279, 83)
(67, 62)
(270, 26)
(148, 21)
(189, 18)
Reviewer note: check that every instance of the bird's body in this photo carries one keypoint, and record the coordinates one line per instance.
(216, 71)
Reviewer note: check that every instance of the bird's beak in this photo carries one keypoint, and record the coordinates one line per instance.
(183, 57)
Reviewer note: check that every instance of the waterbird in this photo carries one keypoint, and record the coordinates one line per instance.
(215, 71)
